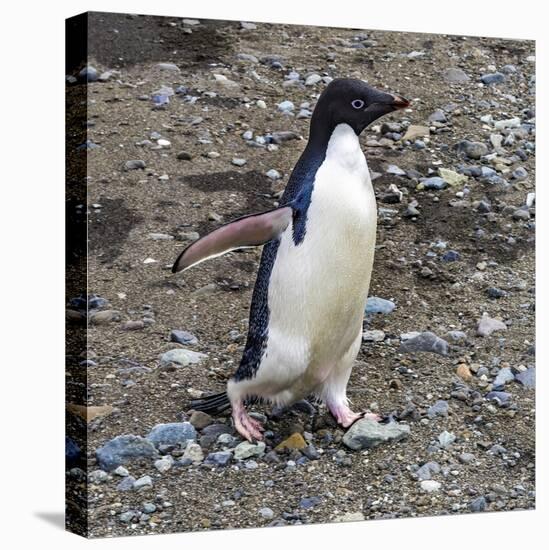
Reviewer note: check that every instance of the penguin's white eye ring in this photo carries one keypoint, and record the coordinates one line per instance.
(357, 103)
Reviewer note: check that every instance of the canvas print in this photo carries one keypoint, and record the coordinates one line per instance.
(300, 274)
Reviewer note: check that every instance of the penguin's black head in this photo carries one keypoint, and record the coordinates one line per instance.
(353, 102)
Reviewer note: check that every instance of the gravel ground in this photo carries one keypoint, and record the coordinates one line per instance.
(455, 243)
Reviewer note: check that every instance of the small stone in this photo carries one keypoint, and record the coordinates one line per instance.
(121, 471)
(164, 464)
(464, 372)
(200, 420)
(478, 504)
(175, 433)
(133, 325)
(475, 149)
(445, 439)
(313, 79)
(221, 459)
(373, 336)
(495, 293)
(193, 451)
(160, 237)
(247, 450)
(309, 502)
(507, 123)
(527, 378)
(440, 408)
(104, 317)
(88, 74)
(126, 517)
(134, 165)
(350, 516)
(239, 161)
(430, 486)
(452, 178)
(273, 174)
(503, 376)
(414, 132)
(261, 104)
(149, 508)
(266, 513)
(466, 458)
(182, 336)
(123, 449)
(438, 116)
(126, 484)
(425, 342)
(395, 170)
(168, 67)
(454, 75)
(521, 214)
(142, 483)
(379, 305)
(428, 470)
(286, 106)
(487, 325)
(501, 398)
(181, 357)
(295, 441)
(434, 182)
(494, 78)
(248, 26)
(98, 476)
(451, 256)
(367, 433)
(184, 155)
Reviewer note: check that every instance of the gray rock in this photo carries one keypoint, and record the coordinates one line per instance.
(221, 459)
(478, 505)
(266, 513)
(286, 106)
(247, 450)
(183, 337)
(428, 470)
(373, 336)
(466, 458)
(487, 326)
(501, 398)
(123, 449)
(504, 375)
(440, 408)
(313, 79)
(457, 335)
(134, 165)
(273, 174)
(475, 149)
(168, 67)
(164, 464)
(379, 305)
(149, 508)
(181, 357)
(247, 57)
(434, 182)
(126, 484)
(527, 378)
(143, 483)
(366, 433)
(445, 439)
(174, 433)
(425, 342)
(493, 78)
(89, 74)
(454, 75)
(126, 517)
(430, 486)
(98, 476)
(438, 116)
(395, 170)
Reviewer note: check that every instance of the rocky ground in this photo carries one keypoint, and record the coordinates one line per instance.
(191, 124)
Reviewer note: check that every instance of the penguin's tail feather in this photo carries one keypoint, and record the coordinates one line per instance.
(216, 403)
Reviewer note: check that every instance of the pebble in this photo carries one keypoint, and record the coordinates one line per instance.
(527, 378)
(395, 170)
(473, 149)
(193, 451)
(183, 337)
(434, 182)
(309, 502)
(104, 317)
(452, 178)
(493, 78)
(134, 165)
(439, 408)
(88, 74)
(495, 293)
(486, 326)
(466, 458)
(451, 256)
(122, 449)
(98, 476)
(313, 79)
(507, 123)
(503, 376)
(126, 517)
(266, 513)
(184, 155)
(478, 504)
(430, 486)
(464, 372)
(295, 441)
(239, 161)
(181, 357)
(445, 439)
(168, 67)
(133, 325)
(273, 174)
(200, 420)
(501, 398)
(415, 132)
(220, 458)
(126, 484)
(366, 433)
(455, 75)
(425, 342)
(428, 470)
(164, 464)
(286, 106)
(350, 516)
(246, 450)
(174, 433)
(373, 336)
(379, 305)
(142, 483)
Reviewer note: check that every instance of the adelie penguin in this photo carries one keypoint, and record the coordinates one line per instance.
(308, 302)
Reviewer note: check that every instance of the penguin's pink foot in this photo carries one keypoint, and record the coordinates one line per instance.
(245, 425)
(345, 417)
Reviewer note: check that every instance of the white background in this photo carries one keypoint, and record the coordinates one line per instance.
(32, 274)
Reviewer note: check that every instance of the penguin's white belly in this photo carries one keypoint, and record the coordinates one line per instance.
(318, 289)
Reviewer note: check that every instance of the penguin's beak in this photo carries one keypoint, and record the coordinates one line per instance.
(399, 102)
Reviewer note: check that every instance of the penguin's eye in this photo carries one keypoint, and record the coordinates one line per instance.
(357, 103)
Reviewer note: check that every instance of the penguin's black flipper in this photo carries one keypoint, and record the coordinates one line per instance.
(253, 230)
(216, 403)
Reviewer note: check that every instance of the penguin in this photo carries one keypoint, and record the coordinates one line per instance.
(308, 302)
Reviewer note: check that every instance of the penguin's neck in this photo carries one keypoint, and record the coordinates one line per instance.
(344, 147)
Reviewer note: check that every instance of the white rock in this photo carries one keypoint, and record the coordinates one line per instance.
(194, 452)
(164, 463)
(430, 486)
